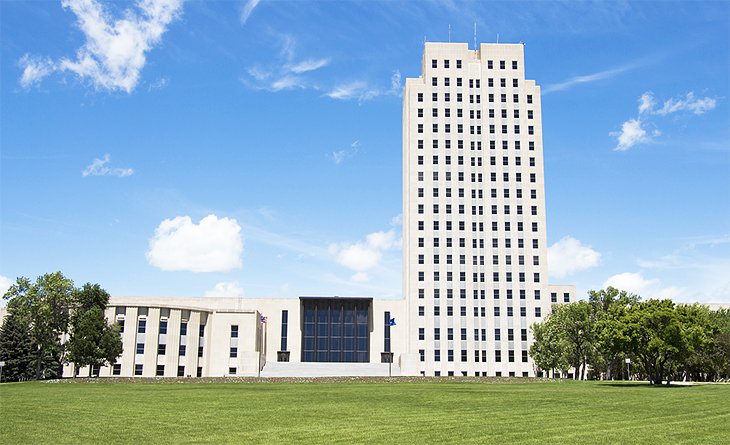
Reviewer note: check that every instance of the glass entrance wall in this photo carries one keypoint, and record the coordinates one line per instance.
(336, 330)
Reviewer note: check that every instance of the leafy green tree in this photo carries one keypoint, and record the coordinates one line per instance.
(720, 354)
(608, 308)
(17, 349)
(655, 337)
(548, 349)
(575, 327)
(47, 303)
(93, 342)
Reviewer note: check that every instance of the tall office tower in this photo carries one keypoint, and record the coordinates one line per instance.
(475, 254)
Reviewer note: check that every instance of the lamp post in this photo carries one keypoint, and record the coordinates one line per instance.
(628, 368)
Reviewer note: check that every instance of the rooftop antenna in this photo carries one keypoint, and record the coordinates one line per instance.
(449, 32)
(475, 36)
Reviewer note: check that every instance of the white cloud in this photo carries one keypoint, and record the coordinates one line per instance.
(286, 83)
(248, 9)
(34, 69)
(569, 255)
(630, 282)
(308, 65)
(114, 52)
(646, 102)
(339, 156)
(214, 245)
(226, 289)
(631, 134)
(98, 167)
(689, 103)
(5, 284)
(365, 255)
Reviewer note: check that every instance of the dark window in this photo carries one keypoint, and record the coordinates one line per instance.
(233, 353)
(142, 326)
(234, 331)
(160, 370)
(183, 328)
(161, 349)
(336, 330)
(140, 348)
(284, 328)
(117, 369)
(181, 371)
(137, 369)
(163, 326)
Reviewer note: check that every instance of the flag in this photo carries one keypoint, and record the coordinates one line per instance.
(263, 319)
(392, 322)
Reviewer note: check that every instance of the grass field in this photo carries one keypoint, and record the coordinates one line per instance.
(420, 411)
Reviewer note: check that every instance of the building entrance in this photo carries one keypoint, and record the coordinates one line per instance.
(336, 329)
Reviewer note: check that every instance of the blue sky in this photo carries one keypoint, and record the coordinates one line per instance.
(254, 147)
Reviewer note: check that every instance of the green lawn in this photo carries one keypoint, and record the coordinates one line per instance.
(420, 411)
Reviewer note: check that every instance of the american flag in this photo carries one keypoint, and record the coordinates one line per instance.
(263, 319)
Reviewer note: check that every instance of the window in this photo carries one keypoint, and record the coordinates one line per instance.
(523, 334)
(137, 369)
(421, 333)
(181, 371)
(200, 351)
(434, 63)
(199, 372)
(437, 357)
(420, 97)
(566, 297)
(201, 330)
(234, 331)
(523, 312)
(498, 358)
(232, 370)
(422, 354)
(510, 334)
(450, 334)
(120, 322)
(514, 64)
(463, 355)
(524, 357)
(141, 326)
(160, 371)
(233, 353)
(537, 312)
(511, 356)
(421, 311)
(458, 64)
(140, 348)
(161, 349)
(181, 351)
(451, 355)
(117, 369)
(183, 328)
(502, 64)
(496, 311)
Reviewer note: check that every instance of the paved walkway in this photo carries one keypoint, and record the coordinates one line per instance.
(282, 369)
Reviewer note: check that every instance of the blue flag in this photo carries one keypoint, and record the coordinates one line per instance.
(392, 322)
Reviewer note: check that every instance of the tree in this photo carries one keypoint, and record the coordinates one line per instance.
(93, 342)
(548, 349)
(575, 327)
(608, 307)
(17, 349)
(654, 333)
(47, 303)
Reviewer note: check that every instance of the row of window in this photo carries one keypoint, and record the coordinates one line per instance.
(490, 64)
(474, 98)
(507, 227)
(495, 243)
(142, 327)
(492, 129)
(464, 355)
(480, 294)
(420, 192)
(450, 334)
(476, 83)
(495, 259)
(477, 114)
(162, 349)
(476, 161)
(478, 145)
(497, 311)
(160, 371)
(477, 373)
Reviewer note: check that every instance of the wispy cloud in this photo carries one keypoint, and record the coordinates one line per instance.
(362, 91)
(114, 53)
(569, 256)
(340, 156)
(588, 78)
(633, 132)
(308, 65)
(248, 10)
(286, 74)
(99, 167)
